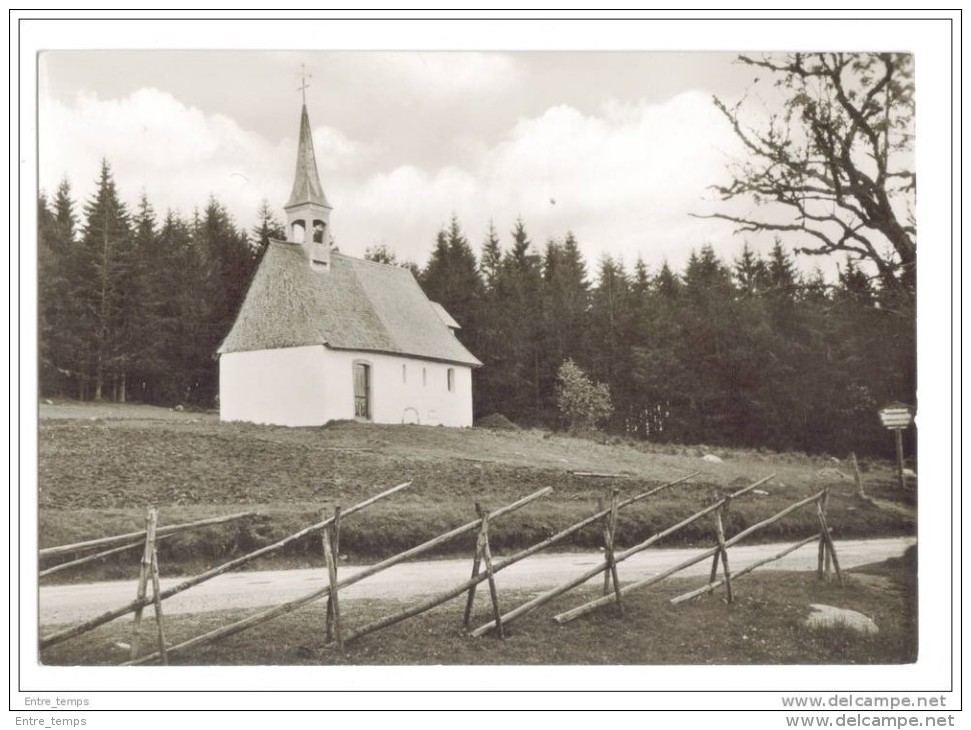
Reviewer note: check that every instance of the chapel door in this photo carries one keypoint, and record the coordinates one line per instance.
(362, 390)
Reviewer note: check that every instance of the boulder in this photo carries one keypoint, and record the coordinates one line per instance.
(828, 617)
(711, 459)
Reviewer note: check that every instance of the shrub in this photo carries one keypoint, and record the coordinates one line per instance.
(584, 403)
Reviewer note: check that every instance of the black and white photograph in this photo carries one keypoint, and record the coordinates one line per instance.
(571, 362)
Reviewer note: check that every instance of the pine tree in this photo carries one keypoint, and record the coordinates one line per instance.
(490, 259)
(48, 265)
(751, 272)
(58, 335)
(451, 279)
(100, 281)
(565, 310)
(519, 288)
(487, 393)
(268, 227)
(612, 333)
(228, 262)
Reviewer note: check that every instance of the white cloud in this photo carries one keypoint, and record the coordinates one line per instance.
(176, 153)
(624, 179)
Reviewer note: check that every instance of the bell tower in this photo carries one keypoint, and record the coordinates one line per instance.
(308, 212)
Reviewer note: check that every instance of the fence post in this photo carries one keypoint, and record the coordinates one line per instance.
(157, 600)
(476, 562)
(605, 529)
(722, 550)
(335, 548)
(610, 572)
(329, 538)
(490, 575)
(151, 519)
(827, 539)
(857, 476)
(821, 552)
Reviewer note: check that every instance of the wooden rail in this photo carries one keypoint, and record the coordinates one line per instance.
(619, 557)
(586, 608)
(96, 556)
(104, 618)
(138, 538)
(744, 571)
(499, 565)
(290, 606)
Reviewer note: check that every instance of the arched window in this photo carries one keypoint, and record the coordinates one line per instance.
(298, 232)
(319, 230)
(451, 380)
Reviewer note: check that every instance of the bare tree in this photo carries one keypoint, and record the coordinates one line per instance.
(838, 159)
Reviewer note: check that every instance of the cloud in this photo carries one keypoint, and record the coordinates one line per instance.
(625, 179)
(177, 154)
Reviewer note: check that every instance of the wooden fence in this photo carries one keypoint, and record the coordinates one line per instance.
(483, 554)
(826, 557)
(141, 601)
(484, 567)
(128, 542)
(331, 591)
(608, 567)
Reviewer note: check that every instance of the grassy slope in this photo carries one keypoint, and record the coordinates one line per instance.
(101, 465)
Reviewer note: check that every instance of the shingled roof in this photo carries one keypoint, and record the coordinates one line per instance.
(306, 181)
(355, 305)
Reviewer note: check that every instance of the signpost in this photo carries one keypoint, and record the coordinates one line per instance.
(896, 417)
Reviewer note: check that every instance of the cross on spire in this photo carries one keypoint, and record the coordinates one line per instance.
(304, 84)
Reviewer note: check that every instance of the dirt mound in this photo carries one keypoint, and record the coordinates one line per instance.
(496, 420)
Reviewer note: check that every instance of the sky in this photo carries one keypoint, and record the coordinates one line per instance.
(620, 148)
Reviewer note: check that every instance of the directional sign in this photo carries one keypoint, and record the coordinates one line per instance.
(896, 415)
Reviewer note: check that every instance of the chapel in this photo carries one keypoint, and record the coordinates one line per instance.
(323, 336)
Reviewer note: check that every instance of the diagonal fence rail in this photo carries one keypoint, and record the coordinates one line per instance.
(618, 558)
(502, 564)
(720, 549)
(329, 528)
(329, 590)
(141, 602)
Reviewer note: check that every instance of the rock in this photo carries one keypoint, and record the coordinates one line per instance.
(828, 617)
(760, 492)
(910, 473)
(711, 459)
(48, 401)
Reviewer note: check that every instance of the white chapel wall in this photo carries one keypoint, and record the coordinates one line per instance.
(283, 387)
(403, 390)
(309, 386)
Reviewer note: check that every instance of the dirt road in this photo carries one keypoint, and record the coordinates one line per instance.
(72, 603)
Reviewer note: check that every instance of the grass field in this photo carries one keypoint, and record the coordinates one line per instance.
(100, 466)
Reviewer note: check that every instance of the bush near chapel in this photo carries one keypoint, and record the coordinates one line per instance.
(586, 404)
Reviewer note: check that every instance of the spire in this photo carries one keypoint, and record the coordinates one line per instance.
(306, 181)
